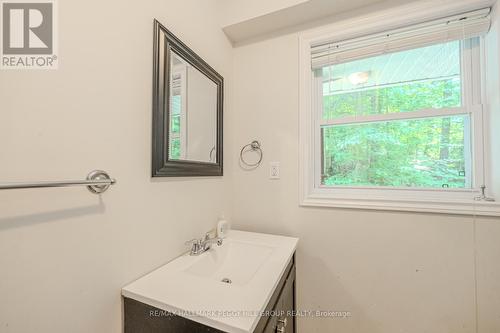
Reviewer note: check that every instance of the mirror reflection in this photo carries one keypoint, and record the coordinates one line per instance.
(192, 113)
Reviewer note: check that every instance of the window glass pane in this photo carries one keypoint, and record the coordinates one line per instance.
(174, 152)
(428, 152)
(175, 124)
(427, 77)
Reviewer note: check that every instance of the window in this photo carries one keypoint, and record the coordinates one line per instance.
(395, 119)
(175, 127)
(178, 102)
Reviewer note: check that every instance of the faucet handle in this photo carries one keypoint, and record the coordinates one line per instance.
(192, 241)
(196, 245)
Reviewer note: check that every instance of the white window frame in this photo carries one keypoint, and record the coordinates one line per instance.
(455, 201)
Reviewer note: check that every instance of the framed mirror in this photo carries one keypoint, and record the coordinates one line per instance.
(187, 110)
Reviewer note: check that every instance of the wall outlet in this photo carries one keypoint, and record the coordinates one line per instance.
(274, 170)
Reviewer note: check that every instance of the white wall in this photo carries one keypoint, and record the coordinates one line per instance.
(395, 272)
(65, 253)
(488, 232)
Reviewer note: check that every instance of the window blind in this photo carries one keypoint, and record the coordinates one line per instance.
(457, 27)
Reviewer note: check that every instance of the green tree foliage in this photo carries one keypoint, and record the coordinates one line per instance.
(175, 149)
(175, 128)
(426, 152)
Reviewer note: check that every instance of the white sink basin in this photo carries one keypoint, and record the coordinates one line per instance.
(192, 287)
(235, 262)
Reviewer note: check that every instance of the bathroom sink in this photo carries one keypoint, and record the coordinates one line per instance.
(238, 277)
(235, 262)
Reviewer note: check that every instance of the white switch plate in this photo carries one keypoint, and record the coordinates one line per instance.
(274, 170)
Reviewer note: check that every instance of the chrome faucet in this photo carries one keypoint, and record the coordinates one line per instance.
(199, 246)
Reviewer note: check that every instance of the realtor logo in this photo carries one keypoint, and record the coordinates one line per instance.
(28, 35)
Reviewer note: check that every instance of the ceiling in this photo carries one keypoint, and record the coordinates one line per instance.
(247, 21)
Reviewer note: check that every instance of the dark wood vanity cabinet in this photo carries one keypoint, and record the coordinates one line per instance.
(278, 316)
(281, 306)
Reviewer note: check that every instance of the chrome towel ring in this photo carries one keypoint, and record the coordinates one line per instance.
(252, 146)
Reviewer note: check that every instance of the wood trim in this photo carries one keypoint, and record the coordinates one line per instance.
(456, 207)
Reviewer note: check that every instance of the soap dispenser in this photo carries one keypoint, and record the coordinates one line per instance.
(222, 228)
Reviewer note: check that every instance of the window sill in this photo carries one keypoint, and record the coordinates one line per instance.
(457, 207)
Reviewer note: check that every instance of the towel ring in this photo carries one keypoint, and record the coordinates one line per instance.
(252, 146)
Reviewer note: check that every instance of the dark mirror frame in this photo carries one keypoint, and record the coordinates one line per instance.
(164, 42)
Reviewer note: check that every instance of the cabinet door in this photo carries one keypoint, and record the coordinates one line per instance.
(284, 323)
(272, 325)
(287, 321)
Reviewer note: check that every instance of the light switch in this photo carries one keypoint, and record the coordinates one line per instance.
(274, 170)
